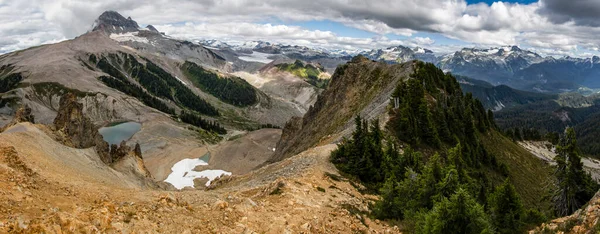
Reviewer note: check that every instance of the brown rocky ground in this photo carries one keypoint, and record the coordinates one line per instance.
(583, 221)
(47, 187)
(244, 153)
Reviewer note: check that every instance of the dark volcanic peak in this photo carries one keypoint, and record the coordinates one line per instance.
(151, 28)
(113, 22)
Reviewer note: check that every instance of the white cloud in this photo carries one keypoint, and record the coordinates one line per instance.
(543, 25)
(293, 35)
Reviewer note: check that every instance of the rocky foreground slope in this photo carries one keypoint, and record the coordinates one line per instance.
(583, 221)
(55, 189)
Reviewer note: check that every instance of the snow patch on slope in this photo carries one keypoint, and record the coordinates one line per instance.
(183, 174)
(129, 36)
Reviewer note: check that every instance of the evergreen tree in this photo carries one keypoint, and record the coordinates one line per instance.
(506, 208)
(388, 206)
(518, 136)
(574, 186)
(459, 214)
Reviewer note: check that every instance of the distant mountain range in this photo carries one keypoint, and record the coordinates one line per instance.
(509, 65)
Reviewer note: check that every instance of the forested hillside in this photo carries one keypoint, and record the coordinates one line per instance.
(550, 116)
(501, 96)
(156, 88)
(434, 165)
(232, 90)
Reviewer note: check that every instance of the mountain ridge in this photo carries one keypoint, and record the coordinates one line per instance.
(509, 65)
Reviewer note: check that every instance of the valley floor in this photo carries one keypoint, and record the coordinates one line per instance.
(53, 189)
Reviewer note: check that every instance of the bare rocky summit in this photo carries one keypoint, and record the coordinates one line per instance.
(113, 22)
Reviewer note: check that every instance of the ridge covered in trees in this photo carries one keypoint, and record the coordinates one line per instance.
(154, 79)
(155, 83)
(440, 180)
(232, 90)
(198, 121)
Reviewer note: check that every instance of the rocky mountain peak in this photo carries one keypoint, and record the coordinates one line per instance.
(113, 22)
(419, 49)
(152, 28)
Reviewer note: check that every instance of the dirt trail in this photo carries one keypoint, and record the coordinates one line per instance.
(55, 189)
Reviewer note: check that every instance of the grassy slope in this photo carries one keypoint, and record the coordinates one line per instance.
(530, 175)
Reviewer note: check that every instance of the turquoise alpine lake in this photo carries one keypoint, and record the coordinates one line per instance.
(120, 132)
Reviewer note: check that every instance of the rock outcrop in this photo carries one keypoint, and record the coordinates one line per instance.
(130, 161)
(122, 150)
(23, 114)
(585, 220)
(77, 130)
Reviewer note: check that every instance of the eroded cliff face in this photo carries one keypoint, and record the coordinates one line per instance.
(75, 129)
(360, 87)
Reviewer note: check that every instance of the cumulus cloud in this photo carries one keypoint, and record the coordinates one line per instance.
(581, 12)
(548, 24)
(293, 35)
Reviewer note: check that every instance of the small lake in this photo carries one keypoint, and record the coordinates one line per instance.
(115, 134)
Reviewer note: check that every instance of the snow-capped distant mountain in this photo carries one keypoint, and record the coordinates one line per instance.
(503, 58)
(400, 54)
(495, 65)
(509, 65)
(266, 52)
(562, 74)
(128, 33)
(213, 44)
(292, 51)
(523, 69)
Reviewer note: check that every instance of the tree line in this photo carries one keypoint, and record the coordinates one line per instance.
(155, 82)
(232, 90)
(438, 182)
